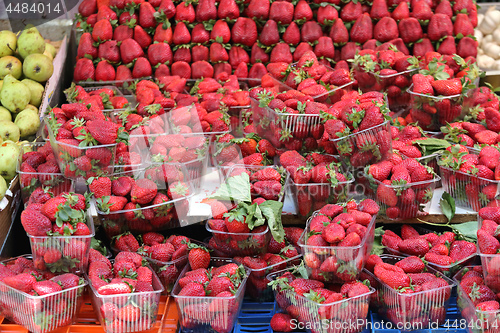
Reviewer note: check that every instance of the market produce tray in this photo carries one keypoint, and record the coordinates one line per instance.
(87, 322)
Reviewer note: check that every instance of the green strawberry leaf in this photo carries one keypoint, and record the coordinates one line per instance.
(467, 229)
(447, 204)
(272, 211)
(432, 145)
(235, 188)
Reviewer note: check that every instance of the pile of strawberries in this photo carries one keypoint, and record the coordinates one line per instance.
(177, 148)
(47, 218)
(309, 300)
(489, 246)
(209, 293)
(439, 89)
(470, 177)
(109, 97)
(32, 289)
(425, 291)
(39, 172)
(127, 275)
(471, 134)
(442, 252)
(403, 140)
(228, 151)
(203, 40)
(266, 183)
(85, 137)
(337, 240)
(480, 100)
(403, 190)
(150, 201)
(480, 296)
(386, 70)
(312, 77)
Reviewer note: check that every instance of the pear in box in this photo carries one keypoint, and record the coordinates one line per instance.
(9, 152)
(8, 43)
(36, 90)
(11, 65)
(14, 94)
(38, 67)
(30, 42)
(5, 114)
(28, 122)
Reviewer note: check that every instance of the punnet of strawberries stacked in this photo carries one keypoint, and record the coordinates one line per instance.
(209, 292)
(309, 301)
(337, 240)
(148, 200)
(482, 106)
(60, 229)
(313, 78)
(489, 246)
(39, 300)
(389, 71)
(402, 188)
(470, 177)
(39, 172)
(446, 252)
(83, 137)
(476, 302)
(315, 182)
(246, 212)
(440, 88)
(359, 128)
(278, 257)
(110, 96)
(473, 135)
(289, 119)
(167, 256)
(409, 291)
(125, 292)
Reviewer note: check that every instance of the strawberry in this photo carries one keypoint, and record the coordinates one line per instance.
(416, 247)
(147, 15)
(143, 191)
(198, 257)
(391, 275)
(130, 50)
(411, 265)
(362, 30)
(84, 70)
(102, 31)
(206, 11)
(281, 322)
(228, 9)
(440, 25)
(244, 31)
(35, 223)
(185, 12)
(447, 87)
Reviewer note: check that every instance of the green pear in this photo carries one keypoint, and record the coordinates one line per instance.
(38, 67)
(10, 65)
(32, 107)
(36, 90)
(5, 114)
(48, 55)
(3, 188)
(1, 84)
(9, 152)
(28, 122)
(9, 131)
(50, 49)
(8, 43)
(30, 41)
(14, 94)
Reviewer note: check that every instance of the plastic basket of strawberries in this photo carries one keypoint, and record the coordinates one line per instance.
(189, 150)
(403, 190)
(477, 303)
(38, 300)
(39, 172)
(335, 243)
(410, 293)
(84, 145)
(359, 128)
(153, 199)
(313, 78)
(315, 185)
(482, 105)
(446, 252)
(215, 305)
(389, 71)
(194, 119)
(470, 178)
(440, 89)
(60, 229)
(125, 292)
(109, 98)
(309, 302)
(489, 246)
(167, 256)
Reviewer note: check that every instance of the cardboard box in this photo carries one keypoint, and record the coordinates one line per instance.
(9, 208)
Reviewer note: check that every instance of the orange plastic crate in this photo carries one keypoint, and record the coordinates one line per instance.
(87, 322)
